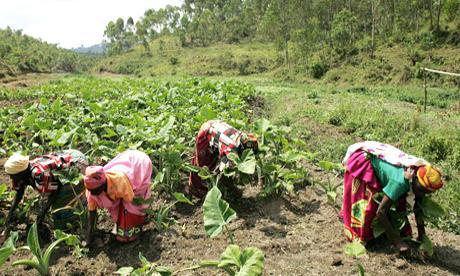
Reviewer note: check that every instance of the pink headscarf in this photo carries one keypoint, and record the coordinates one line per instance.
(94, 177)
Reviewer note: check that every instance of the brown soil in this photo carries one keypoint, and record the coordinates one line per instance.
(299, 235)
(31, 79)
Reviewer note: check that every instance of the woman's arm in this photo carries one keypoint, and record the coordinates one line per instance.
(9, 220)
(92, 216)
(382, 215)
(419, 217)
(50, 201)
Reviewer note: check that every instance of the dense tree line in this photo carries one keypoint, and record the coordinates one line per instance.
(296, 27)
(21, 53)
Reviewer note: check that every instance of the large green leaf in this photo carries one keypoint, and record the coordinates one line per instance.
(180, 197)
(124, 270)
(12, 239)
(248, 162)
(33, 242)
(216, 212)
(262, 125)
(250, 262)
(355, 249)
(5, 253)
(431, 209)
(167, 127)
(32, 263)
(427, 246)
(51, 248)
(377, 228)
(329, 166)
(231, 256)
(3, 188)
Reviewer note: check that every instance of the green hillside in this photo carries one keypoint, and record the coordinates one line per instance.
(395, 64)
(167, 57)
(20, 54)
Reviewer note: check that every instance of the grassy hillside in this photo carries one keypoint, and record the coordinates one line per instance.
(395, 64)
(21, 54)
(167, 57)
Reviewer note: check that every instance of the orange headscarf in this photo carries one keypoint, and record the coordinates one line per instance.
(430, 178)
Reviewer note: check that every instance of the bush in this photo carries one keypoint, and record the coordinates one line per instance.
(243, 68)
(337, 118)
(318, 69)
(427, 40)
(174, 61)
(437, 148)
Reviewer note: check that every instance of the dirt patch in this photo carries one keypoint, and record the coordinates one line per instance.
(299, 236)
(31, 79)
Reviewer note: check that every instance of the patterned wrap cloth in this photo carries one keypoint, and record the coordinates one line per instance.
(42, 168)
(215, 140)
(361, 184)
(358, 207)
(128, 176)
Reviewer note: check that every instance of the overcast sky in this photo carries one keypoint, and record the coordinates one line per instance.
(71, 23)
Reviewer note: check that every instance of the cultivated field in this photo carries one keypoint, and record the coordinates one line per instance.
(289, 205)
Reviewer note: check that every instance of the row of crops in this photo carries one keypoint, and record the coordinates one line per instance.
(103, 117)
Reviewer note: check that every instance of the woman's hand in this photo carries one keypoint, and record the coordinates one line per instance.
(2, 237)
(409, 173)
(402, 247)
(92, 217)
(420, 237)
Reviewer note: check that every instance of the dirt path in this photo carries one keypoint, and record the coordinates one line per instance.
(299, 236)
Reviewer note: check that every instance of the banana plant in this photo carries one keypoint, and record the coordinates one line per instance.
(40, 259)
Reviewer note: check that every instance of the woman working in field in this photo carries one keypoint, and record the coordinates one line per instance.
(114, 187)
(41, 174)
(373, 167)
(215, 140)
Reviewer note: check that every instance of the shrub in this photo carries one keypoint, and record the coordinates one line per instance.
(243, 68)
(437, 148)
(318, 69)
(174, 61)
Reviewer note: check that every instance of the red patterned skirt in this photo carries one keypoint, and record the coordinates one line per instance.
(359, 208)
(129, 225)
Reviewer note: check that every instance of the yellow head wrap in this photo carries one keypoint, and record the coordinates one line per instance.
(16, 163)
(430, 178)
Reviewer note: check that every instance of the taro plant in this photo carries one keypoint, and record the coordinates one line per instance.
(147, 268)
(217, 214)
(5, 196)
(431, 210)
(72, 181)
(40, 259)
(236, 262)
(8, 247)
(279, 158)
(72, 241)
(330, 188)
(355, 249)
(162, 218)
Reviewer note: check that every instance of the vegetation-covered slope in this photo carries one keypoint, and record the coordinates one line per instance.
(21, 53)
(375, 41)
(393, 63)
